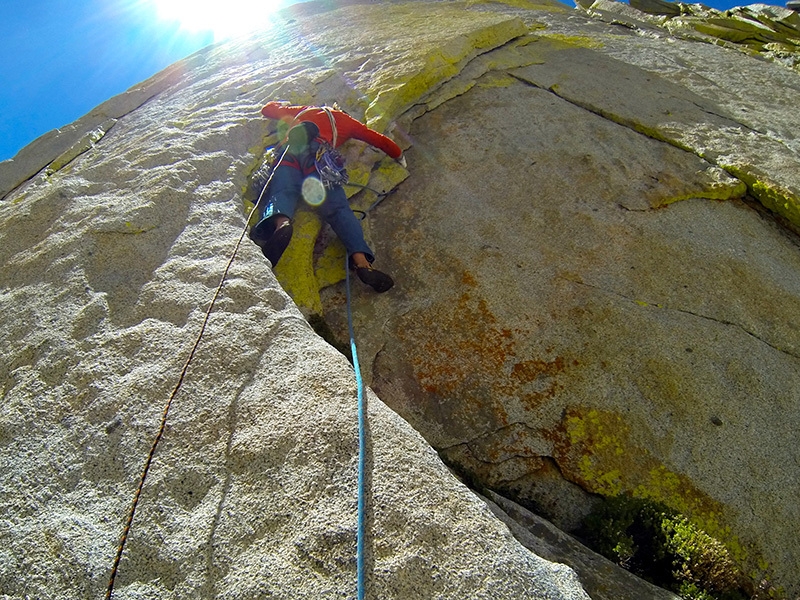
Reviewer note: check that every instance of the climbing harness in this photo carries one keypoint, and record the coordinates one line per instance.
(362, 448)
(162, 427)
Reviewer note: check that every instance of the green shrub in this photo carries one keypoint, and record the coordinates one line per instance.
(665, 548)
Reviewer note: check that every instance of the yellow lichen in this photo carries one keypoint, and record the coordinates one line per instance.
(131, 228)
(596, 451)
(548, 5)
(295, 271)
(497, 80)
(772, 195)
(592, 430)
(329, 268)
(721, 187)
(577, 41)
(437, 66)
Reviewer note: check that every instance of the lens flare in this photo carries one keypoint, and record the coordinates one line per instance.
(313, 191)
(225, 19)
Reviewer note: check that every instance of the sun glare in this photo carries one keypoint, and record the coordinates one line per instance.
(224, 18)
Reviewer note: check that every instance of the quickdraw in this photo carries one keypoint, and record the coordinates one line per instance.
(263, 173)
(330, 166)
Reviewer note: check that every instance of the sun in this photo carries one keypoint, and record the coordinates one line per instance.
(224, 18)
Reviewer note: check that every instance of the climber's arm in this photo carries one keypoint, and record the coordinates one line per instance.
(361, 132)
(280, 110)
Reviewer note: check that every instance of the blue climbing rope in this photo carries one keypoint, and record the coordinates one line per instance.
(362, 447)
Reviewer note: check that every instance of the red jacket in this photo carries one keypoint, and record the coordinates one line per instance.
(346, 126)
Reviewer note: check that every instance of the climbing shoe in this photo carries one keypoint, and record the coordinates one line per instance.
(274, 245)
(261, 232)
(377, 280)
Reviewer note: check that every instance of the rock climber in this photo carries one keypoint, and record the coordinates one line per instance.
(312, 169)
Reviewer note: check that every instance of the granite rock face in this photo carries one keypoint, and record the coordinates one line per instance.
(772, 32)
(590, 297)
(597, 290)
(114, 235)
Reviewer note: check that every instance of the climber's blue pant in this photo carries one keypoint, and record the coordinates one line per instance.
(285, 191)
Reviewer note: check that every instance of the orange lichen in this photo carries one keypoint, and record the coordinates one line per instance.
(463, 354)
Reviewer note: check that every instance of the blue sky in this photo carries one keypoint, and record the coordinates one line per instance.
(61, 58)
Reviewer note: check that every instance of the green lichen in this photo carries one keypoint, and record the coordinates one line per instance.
(437, 66)
(666, 548)
(772, 195)
(575, 41)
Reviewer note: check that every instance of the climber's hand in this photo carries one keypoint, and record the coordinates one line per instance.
(402, 161)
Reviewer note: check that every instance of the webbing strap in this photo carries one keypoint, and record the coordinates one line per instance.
(334, 131)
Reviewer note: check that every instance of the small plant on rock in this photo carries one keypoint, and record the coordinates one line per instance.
(665, 548)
